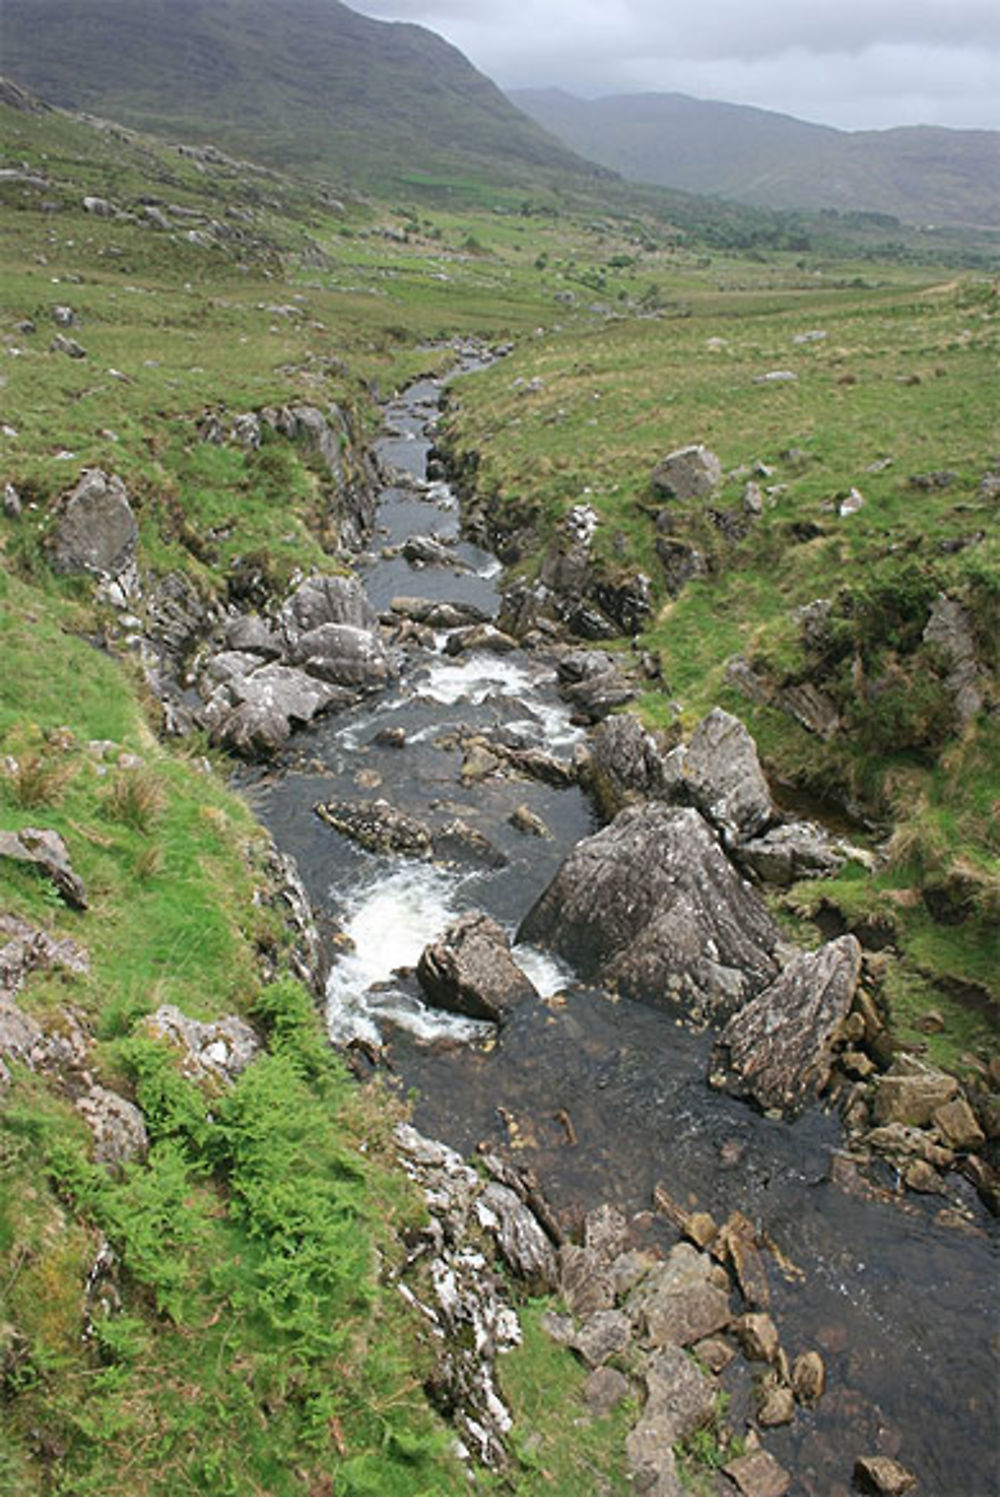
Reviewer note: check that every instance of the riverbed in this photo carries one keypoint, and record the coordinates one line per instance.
(605, 1098)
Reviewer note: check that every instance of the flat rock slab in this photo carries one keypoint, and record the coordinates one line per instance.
(378, 826)
(777, 1050)
(652, 905)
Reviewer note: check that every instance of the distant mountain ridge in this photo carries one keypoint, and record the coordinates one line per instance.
(307, 84)
(921, 174)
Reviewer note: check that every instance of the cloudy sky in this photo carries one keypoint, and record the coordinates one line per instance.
(856, 64)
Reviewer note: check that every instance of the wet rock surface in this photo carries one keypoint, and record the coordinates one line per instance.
(470, 971)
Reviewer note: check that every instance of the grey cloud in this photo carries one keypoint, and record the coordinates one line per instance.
(844, 62)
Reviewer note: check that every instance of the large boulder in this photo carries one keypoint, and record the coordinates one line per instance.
(326, 600)
(778, 1049)
(796, 850)
(725, 778)
(470, 970)
(254, 707)
(97, 530)
(652, 905)
(621, 765)
(687, 473)
(344, 655)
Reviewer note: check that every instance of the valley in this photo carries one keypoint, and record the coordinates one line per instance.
(206, 1293)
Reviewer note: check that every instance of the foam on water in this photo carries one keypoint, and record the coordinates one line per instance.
(474, 679)
(390, 919)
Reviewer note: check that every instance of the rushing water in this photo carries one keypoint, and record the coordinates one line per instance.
(606, 1098)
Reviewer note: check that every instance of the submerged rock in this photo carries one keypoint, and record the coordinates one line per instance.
(378, 826)
(470, 970)
(778, 1049)
(652, 905)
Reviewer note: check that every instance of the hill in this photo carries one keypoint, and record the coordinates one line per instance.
(922, 175)
(310, 85)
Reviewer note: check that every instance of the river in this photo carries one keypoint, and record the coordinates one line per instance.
(606, 1098)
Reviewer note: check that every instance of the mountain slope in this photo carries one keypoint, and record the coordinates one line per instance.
(309, 84)
(919, 174)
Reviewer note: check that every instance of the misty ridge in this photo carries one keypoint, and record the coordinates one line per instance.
(315, 86)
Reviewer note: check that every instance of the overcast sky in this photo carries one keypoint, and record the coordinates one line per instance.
(856, 64)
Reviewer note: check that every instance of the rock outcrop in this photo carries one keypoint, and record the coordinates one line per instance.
(652, 905)
(97, 531)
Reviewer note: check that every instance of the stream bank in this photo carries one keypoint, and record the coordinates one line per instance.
(604, 1097)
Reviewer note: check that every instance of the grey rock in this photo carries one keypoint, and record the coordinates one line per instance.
(523, 819)
(249, 634)
(47, 851)
(652, 905)
(621, 765)
(911, 1092)
(812, 708)
(880, 1474)
(99, 207)
(219, 1049)
(459, 842)
(428, 551)
(585, 1284)
(602, 1336)
(605, 1232)
(679, 1301)
(117, 1125)
(470, 970)
(378, 826)
(681, 562)
(97, 530)
(12, 506)
(950, 629)
(778, 1049)
(687, 473)
(519, 1236)
(344, 655)
(605, 1390)
(69, 346)
(330, 599)
(479, 637)
(759, 1475)
(436, 613)
(791, 852)
(678, 1393)
(725, 777)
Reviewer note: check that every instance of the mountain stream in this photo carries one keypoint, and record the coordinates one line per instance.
(605, 1098)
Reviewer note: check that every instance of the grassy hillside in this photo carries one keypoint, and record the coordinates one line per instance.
(310, 84)
(920, 175)
(249, 1337)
